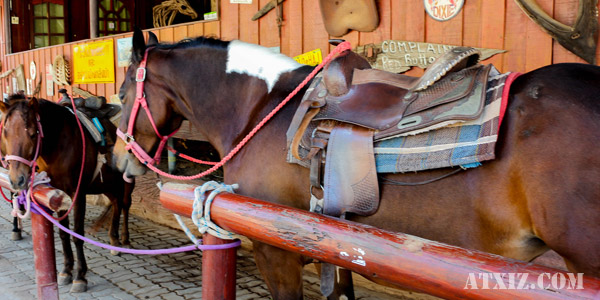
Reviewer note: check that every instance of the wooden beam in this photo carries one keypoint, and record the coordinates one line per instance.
(401, 259)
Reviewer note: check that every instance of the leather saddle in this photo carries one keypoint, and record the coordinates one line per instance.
(349, 106)
(95, 114)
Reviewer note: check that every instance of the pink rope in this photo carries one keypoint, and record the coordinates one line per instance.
(341, 47)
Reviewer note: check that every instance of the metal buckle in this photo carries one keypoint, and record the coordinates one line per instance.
(129, 138)
(140, 74)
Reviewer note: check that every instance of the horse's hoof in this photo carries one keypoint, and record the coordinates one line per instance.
(64, 279)
(16, 236)
(115, 253)
(79, 286)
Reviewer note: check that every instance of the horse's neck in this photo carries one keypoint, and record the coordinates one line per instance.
(254, 82)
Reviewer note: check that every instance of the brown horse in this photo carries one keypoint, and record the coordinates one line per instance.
(540, 193)
(61, 157)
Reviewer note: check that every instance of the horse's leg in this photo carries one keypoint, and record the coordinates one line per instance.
(65, 276)
(282, 271)
(343, 287)
(17, 225)
(126, 205)
(79, 281)
(113, 231)
(16, 232)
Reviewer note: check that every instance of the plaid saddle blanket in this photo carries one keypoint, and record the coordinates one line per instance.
(464, 144)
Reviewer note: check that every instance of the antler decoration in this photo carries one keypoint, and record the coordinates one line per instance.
(164, 13)
(580, 39)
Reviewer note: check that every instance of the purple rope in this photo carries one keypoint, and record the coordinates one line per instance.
(236, 243)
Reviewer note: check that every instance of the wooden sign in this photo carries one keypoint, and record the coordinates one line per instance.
(49, 80)
(94, 62)
(399, 56)
(311, 58)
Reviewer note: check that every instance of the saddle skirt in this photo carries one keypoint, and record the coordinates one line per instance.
(341, 137)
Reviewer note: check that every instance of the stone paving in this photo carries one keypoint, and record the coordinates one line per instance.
(125, 277)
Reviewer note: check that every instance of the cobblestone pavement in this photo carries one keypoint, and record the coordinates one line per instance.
(125, 277)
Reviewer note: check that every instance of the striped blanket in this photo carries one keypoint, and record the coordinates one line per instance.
(464, 144)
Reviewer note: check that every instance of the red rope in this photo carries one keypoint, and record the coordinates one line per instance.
(341, 47)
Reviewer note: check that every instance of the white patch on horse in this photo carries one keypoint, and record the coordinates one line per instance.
(258, 61)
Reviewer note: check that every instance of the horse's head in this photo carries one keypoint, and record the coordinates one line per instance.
(144, 129)
(183, 7)
(19, 138)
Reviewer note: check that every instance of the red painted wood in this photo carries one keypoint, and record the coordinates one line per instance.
(42, 235)
(218, 270)
(408, 261)
(45, 195)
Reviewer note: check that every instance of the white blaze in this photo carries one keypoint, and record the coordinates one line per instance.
(258, 61)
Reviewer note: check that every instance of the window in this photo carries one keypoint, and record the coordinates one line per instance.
(49, 24)
(113, 17)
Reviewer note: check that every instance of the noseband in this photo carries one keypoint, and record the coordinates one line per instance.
(30, 163)
(140, 100)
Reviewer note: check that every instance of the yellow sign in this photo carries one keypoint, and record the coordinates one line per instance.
(94, 62)
(311, 58)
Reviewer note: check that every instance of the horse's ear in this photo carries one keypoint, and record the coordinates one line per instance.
(33, 103)
(152, 39)
(3, 107)
(138, 46)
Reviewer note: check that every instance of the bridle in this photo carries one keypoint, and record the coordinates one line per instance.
(140, 100)
(31, 163)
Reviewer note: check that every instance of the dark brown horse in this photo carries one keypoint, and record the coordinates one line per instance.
(540, 193)
(61, 157)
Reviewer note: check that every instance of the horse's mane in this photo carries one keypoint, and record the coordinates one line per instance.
(19, 101)
(200, 41)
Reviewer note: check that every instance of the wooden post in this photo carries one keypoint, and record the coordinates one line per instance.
(42, 234)
(406, 261)
(93, 19)
(218, 270)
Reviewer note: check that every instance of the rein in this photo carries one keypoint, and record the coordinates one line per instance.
(140, 100)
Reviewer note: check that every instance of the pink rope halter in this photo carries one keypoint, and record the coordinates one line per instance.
(31, 163)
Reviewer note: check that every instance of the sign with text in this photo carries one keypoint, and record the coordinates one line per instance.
(311, 58)
(94, 62)
(399, 56)
(49, 80)
(443, 10)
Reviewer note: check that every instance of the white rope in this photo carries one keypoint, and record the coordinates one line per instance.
(39, 178)
(201, 214)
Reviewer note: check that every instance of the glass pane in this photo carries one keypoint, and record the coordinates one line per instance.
(101, 25)
(39, 10)
(111, 25)
(124, 14)
(100, 13)
(56, 10)
(41, 26)
(40, 41)
(124, 26)
(118, 5)
(105, 4)
(57, 26)
(56, 40)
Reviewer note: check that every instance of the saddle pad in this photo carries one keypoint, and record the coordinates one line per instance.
(89, 125)
(464, 144)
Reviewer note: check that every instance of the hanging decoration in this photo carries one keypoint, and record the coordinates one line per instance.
(443, 10)
(62, 74)
(164, 13)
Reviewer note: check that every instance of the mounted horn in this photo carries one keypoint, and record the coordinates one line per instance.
(580, 39)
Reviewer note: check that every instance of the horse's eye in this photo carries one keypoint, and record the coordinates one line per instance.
(183, 7)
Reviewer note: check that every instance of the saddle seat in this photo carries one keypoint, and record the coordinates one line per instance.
(349, 106)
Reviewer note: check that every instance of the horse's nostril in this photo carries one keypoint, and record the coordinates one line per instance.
(21, 181)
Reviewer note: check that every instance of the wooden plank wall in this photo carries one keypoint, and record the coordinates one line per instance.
(482, 23)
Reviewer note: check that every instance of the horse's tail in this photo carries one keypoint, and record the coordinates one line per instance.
(101, 220)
